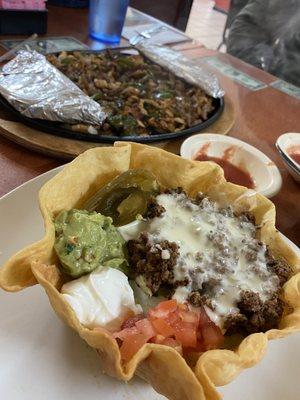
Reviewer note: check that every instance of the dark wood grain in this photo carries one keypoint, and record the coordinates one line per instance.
(261, 116)
(17, 165)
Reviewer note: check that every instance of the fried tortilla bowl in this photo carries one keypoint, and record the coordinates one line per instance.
(163, 367)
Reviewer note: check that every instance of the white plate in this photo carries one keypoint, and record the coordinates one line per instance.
(284, 144)
(266, 175)
(42, 359)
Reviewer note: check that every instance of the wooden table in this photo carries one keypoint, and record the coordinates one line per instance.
(261, 116)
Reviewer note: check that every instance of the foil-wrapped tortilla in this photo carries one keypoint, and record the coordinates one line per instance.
(37, 89)
(182, 67)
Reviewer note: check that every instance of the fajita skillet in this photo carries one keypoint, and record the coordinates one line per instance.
(58, 129)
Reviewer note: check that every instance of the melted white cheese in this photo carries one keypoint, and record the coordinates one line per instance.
(132, 230)
(102, 298)
(213, 244)
(181, 293)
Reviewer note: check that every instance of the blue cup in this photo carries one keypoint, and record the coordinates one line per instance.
(106, 19)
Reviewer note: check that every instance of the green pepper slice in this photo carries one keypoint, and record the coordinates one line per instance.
(124, 197)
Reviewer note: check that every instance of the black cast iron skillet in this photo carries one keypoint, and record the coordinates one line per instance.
(57, 128)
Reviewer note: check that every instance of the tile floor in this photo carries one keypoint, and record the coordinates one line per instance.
(205, 24)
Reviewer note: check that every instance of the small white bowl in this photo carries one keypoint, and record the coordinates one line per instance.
(284, 143)
(265, 174)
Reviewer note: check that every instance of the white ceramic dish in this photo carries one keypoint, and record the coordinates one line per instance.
(263, 171)
(284, 143)
(42, 359)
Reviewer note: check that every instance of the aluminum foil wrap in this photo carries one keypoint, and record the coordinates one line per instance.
(37, 89)
(182, 67)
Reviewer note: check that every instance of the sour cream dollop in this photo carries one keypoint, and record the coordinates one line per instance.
(102, 298)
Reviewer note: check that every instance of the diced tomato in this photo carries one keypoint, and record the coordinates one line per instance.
(212, 336)
(189, 316)
(171, 324)
(162, 327)
(130, 322)
(186, 334)
(158, 339)
(183, 307)
(199, 335)
(145, 327)
(132, 344)
(173, 318)
(163, 309)
(125, 333)
(173, 343)
(203, 317)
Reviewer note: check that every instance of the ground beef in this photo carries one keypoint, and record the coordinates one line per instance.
(195, 299)
(280, 268)
(182, 282)
(246, 217)
(198, 300)
(174, 191)
(249, 303)
(154, 209)
(146, 259)
(273, 310)
(227, 211)
(177, 190)
(200, 297)
(210, 287)
(254, 315)
(199, 197)
(235, 323)
(252, 251)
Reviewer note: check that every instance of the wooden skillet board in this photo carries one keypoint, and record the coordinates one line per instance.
(66, 149)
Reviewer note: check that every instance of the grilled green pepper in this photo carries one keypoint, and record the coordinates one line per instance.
(124, 197)
(125, 125)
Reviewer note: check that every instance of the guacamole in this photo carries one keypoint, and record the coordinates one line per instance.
(86, 240)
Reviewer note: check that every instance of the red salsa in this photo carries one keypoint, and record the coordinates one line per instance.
(232, 173)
